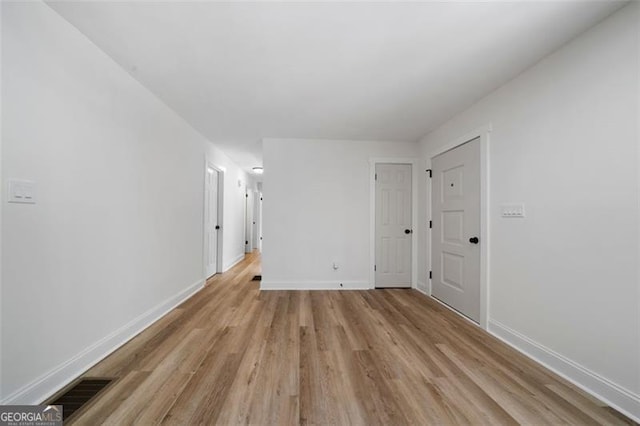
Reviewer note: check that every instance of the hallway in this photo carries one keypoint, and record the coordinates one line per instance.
(233, 354)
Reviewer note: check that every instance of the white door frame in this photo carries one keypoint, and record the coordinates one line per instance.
(209, 165)
(482, 133)
(414, 215)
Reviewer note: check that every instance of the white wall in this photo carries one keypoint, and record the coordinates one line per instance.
(564, 280)
(116, 236)
(316, 211)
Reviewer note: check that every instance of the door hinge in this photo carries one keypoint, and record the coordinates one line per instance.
(260, 198)
(374, 267)
(246, 195)
(246, 242)
(430, 274)
(429, 171)
(430, 224)
(376, 177)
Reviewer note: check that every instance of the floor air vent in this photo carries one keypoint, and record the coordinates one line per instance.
(79, 394)
(257, 278)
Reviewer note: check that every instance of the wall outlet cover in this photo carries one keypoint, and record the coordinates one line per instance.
(21, 191)
(512, 210)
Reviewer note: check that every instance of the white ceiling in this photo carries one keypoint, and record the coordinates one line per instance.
(239, 72)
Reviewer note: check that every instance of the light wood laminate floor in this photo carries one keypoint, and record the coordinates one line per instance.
(232, 354)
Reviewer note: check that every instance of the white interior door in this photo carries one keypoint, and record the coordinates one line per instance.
(211, 227)
(259, 221)
(393, 231)
(456, 228)
(248, 226)
(256, 220)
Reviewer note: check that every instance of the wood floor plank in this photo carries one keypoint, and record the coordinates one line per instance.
(117, 394)
(233, 354)
(156, 382)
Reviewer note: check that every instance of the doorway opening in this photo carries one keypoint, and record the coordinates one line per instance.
(253, 218)
(252, 227)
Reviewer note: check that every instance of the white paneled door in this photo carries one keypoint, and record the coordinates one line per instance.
(456, 228)
(249, 221)
(211, 227)
(393, 231)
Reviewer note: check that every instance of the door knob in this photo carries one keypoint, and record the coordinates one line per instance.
(217, 226)
(473, 240)
(408, 231)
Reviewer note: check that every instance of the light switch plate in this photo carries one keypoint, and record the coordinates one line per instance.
(512, 210)
(21, 191)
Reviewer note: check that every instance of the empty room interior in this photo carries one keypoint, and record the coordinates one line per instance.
(321, 212)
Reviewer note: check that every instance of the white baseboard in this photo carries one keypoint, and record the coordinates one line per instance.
(239, 258)
(614, 395)
(314, 285)
(55, 379)
(422, 288)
